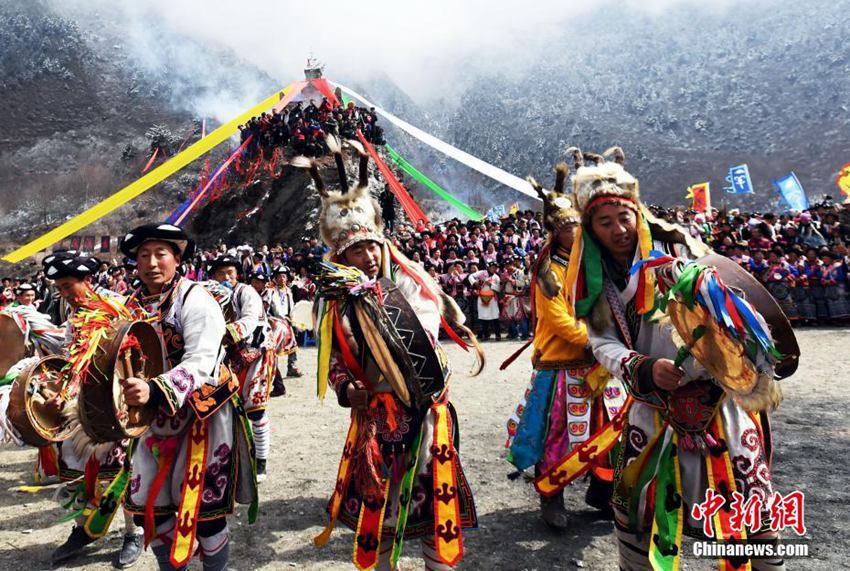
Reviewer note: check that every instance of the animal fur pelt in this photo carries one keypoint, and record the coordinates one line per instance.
(82, 443)
(448, 307)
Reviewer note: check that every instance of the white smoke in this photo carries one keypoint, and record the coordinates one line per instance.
(429, 49)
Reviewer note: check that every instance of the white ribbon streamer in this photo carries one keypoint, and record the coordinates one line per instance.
(472, 162)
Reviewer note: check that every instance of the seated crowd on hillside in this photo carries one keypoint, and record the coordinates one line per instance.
(486, 266)
(305, 128)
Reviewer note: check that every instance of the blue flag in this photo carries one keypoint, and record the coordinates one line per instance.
(792, 191)
(739, 178)
(495, 213)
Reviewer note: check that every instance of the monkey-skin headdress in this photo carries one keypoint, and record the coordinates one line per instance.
(598, 181)
(558, 207)
(347, 216)
(558, 211)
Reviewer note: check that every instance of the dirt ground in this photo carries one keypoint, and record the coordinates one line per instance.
(812, 438)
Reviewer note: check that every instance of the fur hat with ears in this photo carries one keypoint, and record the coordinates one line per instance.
(346, 217)
(558, 209)
(602, 179)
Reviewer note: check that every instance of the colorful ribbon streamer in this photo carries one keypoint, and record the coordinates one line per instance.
(151, 160)
(144, 183)
(464, 208)
(416, 215)
(192, 202)
(472, 162)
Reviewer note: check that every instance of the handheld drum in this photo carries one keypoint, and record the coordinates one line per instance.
(131, 349)
(31, 409)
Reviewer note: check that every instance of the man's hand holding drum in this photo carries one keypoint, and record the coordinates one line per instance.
(137, 392)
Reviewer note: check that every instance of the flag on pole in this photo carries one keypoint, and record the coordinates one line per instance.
(792, 191)
(495, 213)
(739, 178)
(843, 179)
(701, 195)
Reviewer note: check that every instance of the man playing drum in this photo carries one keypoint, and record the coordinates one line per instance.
(71, 273)
(195, 461)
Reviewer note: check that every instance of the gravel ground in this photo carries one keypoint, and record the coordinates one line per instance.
(811, 436)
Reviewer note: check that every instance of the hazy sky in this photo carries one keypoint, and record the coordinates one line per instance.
(420, 45)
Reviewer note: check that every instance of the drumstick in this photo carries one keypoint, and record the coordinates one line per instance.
(128, 364)
(132, 413)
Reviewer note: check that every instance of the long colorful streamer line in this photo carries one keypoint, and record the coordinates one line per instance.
(143, 183)
(464, 208)
(484, 168)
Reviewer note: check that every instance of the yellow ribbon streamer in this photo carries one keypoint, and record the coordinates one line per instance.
(144, 183)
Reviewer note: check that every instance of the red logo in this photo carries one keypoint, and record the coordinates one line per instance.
(785, 512)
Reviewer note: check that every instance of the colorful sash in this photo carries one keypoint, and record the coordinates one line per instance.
(404, 499)
(584, 456)
(343, 477)
(367, 538)
(190, 500)
(99, 520)
(722, 480)
(447, 533)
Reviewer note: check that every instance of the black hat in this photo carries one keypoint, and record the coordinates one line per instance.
(24, 288)
(164, 232)
(259, 274)
(281, 270)
(224, 261)
(69, 263)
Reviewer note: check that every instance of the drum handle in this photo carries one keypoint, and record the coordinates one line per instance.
(128, 364)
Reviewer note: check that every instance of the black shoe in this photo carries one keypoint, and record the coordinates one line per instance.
(261, 470)
(72, 547)
(553, 511)
(294, 372)
(598, 496)
(131, 550)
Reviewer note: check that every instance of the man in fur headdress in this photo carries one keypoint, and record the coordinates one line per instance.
(395, 450)
(569, 397)
(686, 435)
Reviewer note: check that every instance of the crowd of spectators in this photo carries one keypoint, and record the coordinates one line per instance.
(304, 129)
(486, 266)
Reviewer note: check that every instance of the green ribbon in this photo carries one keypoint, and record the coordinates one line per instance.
(686, 284)
(79, 491)
(668, 501)
(644, 479)
(592, 261)
(101, 517)
(464, 208)
(404, 500)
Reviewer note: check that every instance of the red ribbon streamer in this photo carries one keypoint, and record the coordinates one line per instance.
(220, 170)
(151, 160)
(414, 213)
